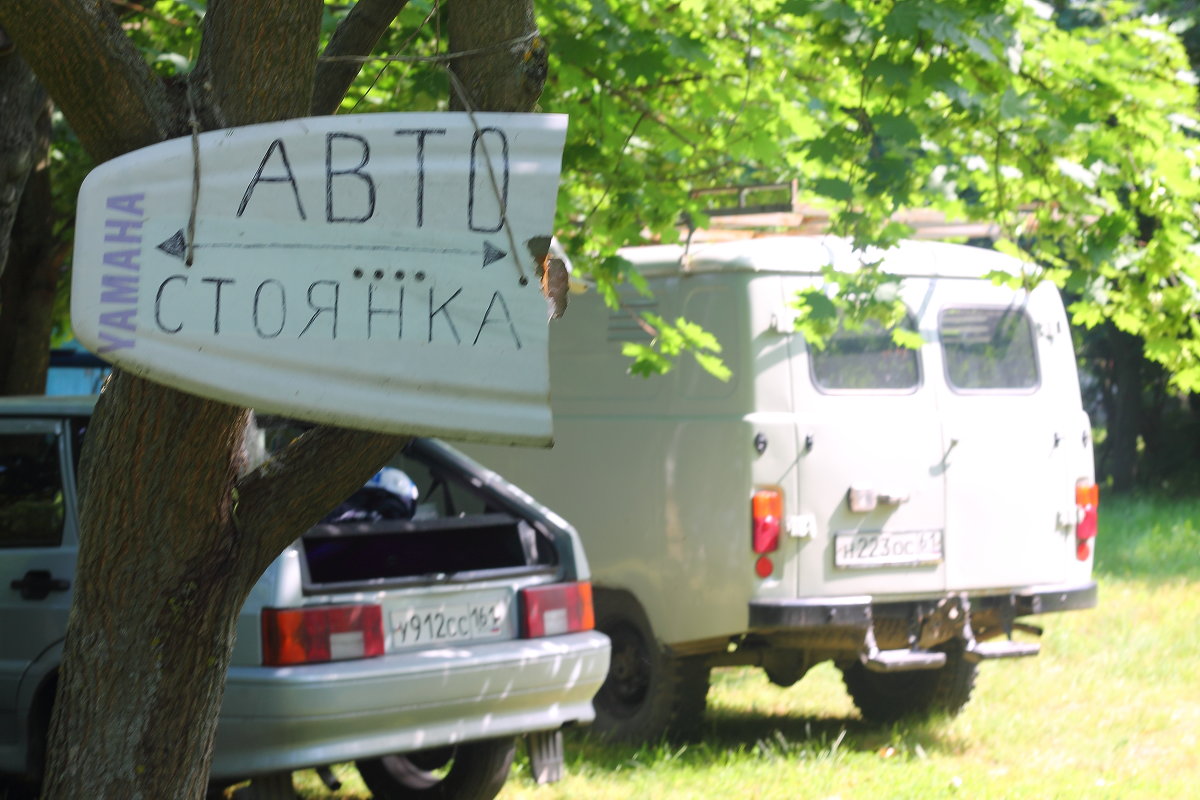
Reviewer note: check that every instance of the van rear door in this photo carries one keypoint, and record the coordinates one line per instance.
(1009, 400)
(870, 471)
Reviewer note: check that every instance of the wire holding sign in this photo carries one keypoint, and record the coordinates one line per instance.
(344, 269)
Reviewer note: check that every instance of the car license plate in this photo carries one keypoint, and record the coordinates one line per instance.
(428, 624)
(865, 549)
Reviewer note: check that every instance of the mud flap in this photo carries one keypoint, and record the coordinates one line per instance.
(545, 755)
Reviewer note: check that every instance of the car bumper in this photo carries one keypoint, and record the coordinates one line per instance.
(280, 718)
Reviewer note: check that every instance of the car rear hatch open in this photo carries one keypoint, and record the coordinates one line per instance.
(455, 570)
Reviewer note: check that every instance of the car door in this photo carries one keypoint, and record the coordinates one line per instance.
(37, 550)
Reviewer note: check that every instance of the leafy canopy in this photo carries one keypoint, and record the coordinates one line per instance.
(1072, 129)
(1071, 126)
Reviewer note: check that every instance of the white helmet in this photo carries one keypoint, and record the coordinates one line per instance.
(395, 481)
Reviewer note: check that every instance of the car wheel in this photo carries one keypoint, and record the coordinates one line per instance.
(889, 696)
(648, 693)
(470, 771)
(275, 786)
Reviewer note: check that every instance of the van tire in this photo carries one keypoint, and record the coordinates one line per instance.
(478, 771)
(649, 692)
(884, 697)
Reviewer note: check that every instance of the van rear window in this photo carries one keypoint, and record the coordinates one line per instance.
(988, 348)
(866, 358)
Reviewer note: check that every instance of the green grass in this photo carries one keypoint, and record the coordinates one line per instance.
(1110, 709)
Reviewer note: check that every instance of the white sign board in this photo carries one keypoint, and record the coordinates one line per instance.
(375, 271)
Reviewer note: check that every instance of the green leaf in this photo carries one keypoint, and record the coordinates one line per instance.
(646, 362)
(697, 337)
(890, 72)
(903, 21)
(898, 128)
(907, 338)
(816, 305)
(714, 366)
(834, 188)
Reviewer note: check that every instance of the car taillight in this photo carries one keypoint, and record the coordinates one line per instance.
(556, 609)
(1087, 503)
(766, 510)
(322, 633)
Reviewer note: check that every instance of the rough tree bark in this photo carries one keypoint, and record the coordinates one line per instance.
(20, 95)
(507, 68)
(172, 539)
(165, 563)
(30, 259)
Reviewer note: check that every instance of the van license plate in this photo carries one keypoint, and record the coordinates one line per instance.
(865, 549)
(417, 626)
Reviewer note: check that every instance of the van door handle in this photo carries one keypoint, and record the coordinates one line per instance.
(38, 584)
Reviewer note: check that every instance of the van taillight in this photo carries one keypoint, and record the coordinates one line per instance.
(1087, 503)
(766, 508)
(556, 609)
(322, 633)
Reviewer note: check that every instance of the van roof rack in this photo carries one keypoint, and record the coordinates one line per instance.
(741, 212)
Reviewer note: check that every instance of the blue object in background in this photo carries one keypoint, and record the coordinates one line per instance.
(74, 370)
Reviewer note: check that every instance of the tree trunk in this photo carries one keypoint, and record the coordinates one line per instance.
(20, 97)
(26, 307)
(1123, 408)
(163, 565)
(159, 581)
(29, 277)
(171, 538)
(507, 66)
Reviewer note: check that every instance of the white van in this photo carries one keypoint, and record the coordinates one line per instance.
(894, 510)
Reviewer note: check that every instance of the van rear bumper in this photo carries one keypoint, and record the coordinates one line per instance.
(863, 611)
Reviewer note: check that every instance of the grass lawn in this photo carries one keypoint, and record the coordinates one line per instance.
(1110, 709)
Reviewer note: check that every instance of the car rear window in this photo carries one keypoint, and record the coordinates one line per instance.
(866, 359)
(31, 495)
(439, 523)
(988, 349)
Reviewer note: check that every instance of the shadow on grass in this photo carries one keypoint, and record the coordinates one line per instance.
(727, 734)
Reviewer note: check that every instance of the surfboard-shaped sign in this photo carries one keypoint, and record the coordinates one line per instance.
(376, 271)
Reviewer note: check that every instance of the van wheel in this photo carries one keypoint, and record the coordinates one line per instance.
(648, 693)
(889, 696)
(471, 771)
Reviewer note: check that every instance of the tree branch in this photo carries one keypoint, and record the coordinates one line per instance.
(639, 105)
(502, 80)
(20, 97)
(356, 35)
(96, 76)
(257, 61)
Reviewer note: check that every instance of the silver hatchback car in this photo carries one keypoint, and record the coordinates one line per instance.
(417, 635)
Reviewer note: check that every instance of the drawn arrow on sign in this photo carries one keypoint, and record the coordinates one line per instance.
(176, 245)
